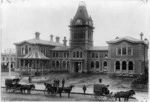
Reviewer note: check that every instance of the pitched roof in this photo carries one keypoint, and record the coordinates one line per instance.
(35, 54)
(99, 48)
(40, 41)
(81, 12)
(64, 48)
(127, 38)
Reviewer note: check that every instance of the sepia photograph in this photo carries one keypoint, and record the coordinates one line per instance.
(75, 50)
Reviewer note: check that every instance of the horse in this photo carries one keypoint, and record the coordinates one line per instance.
(68, 89)
(124, 95)
(27, 87)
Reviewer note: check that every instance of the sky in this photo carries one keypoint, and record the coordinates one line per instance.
(111, 18)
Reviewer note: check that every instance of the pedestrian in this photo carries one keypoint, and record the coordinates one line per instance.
(100, 80)
(54, 82)
(63, 82)
(84, 89)
(58, 82)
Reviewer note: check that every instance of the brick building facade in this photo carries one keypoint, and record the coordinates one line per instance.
(124, 55)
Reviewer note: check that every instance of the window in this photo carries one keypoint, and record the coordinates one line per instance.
(77, 54)
(22, 50)
(26, 49)
(124, 64)
(124, 49)
(56, 54)
(7, 59)
(3, 58)
(129, 50)
(97, 64)
(57, 63)
(119, 51)
(92, 55)
(64, 64)
(96, 55)
(130, 65)
(21, 62)
(105, 64)
(11, 59)
(92, 64)
(117, 65)
(53, 63)
(53, 54)
(67, 55)
(64, 55)
(106, 55)
(80, 54)
(74, 54)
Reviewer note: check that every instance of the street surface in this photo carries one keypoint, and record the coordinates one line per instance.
(39, 96)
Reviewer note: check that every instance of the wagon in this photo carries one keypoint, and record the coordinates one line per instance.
(12, 84)
(101, 92)
(50, 89)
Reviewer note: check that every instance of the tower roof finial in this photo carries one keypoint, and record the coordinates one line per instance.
(82, 3)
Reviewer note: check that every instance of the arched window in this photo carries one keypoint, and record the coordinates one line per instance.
(92, 64)
(124, 49)
(53, 54)
(74, 54)
(64, 64)
(119, 51)
(97, 64)
(105, 64)
(53, 63)
(57, 63)
(26, 49)
(117, 65)
(93, 55)
(77, 54)
(124, 65)
(130, 65)
(80, 54)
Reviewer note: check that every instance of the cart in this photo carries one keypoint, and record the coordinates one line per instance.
(101, 92)
(12, 84)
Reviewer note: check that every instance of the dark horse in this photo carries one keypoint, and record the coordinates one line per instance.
(68, 89)
(124, 95)
(27, 87)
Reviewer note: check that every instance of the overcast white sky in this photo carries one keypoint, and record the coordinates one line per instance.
(22, 18)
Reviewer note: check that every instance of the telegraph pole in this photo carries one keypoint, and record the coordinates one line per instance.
(9, 66)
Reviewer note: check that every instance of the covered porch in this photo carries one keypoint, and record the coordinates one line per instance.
(34, 62)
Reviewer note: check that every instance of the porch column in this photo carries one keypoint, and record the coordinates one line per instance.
(127, 67)
(120, 66)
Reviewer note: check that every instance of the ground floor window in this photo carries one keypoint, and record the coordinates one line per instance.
(124, 65)
(117, 65)
(130, 65)
(97, 64)
(57, 64)
(64, 64)
(92, 64)
(53, 63)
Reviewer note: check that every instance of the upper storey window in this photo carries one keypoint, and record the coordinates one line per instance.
(124, 49)
(77, 54)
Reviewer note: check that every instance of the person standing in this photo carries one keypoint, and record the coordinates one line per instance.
(63, 82)
(84, 89)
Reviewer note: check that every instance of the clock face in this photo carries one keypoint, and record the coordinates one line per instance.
(79, 21)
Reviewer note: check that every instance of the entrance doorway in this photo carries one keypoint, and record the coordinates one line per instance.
(77, 67)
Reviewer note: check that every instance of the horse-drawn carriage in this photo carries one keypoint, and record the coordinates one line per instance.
(52, 89)
(101, 92)
(13, 85)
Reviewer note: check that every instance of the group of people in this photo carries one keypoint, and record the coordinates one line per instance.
(56, 82)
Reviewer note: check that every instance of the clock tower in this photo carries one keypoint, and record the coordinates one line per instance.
(81, 28)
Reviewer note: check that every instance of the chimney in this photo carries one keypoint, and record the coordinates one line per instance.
(141, 35)
(37, 35)
(65, 41)
(57, 39)
(51, 36)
